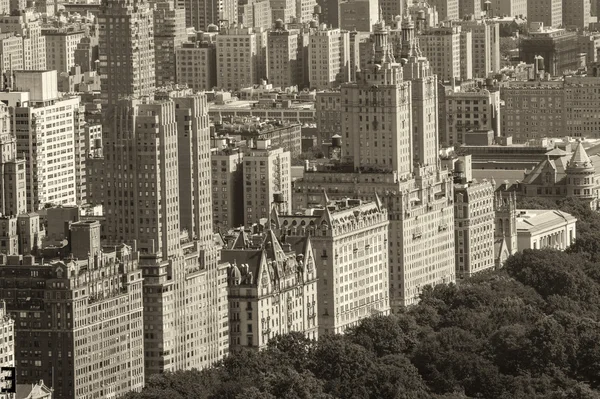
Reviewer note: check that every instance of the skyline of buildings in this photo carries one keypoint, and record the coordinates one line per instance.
(185, 179)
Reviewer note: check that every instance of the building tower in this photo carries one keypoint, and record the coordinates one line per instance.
(169, 35)
(379, 144)
(390, 143)
(580, 176)
(13, 196)
(505, 233)
(424, 98)
(157, 197)
(126, 60)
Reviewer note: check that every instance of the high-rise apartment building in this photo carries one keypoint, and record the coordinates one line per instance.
(169, 35)
(284, 57)
(473, 221)
(486, 46)
(548, 12)
(201, 14)
(510, 8)
(60, 47)
(171, 223)
(284, 10)
(255, 14)
(127, 58)
(27, 25)
(7, 338)
(522, 116)
(444, 50)
(305, 9)
(44, 124)
(580, 114)
(157, 193)
(328, 105)
(390, 9)
(88, 138)
(448, 10)
(83, 322)
(227, 182)
(424, 12)
(350, 244)
(328, 58)
(468, 110)
(272, 288)
(267, 179)
(241, 57)
(469, 8)
(559, 49)
(576, 14)
(11, 56)
(358, 15)
(196, 62)
(392, 151)
(330, 13)
(13, 194)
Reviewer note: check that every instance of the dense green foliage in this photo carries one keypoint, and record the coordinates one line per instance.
(529, 331)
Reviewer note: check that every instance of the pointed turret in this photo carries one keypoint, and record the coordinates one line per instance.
(581, 175)
(580, 158)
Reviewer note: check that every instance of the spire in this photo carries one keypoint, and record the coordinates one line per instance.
(325, 198)
(378, 201)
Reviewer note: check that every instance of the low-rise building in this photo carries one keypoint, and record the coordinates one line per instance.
(271, 286)
(224, 106)
(539, 229)
(469, 110)
(287, 135)
(567, 176)
(349, 240)
(80, 315)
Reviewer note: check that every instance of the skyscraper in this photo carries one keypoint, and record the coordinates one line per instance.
(284, 57)
(157, 196)
(49, 148)
(328, 58)
(169, 35)
(549, 12)
(128, 59)
(27, 25)
(241, 57)
(389, 126)
(447, 9)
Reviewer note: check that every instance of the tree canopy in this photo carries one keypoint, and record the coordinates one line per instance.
(528, 331)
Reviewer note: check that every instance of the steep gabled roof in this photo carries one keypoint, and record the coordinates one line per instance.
(242, 241)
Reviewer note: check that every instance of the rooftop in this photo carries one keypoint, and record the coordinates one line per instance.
(537, 220)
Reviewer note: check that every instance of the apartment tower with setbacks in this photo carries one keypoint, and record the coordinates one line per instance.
(389, 147)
